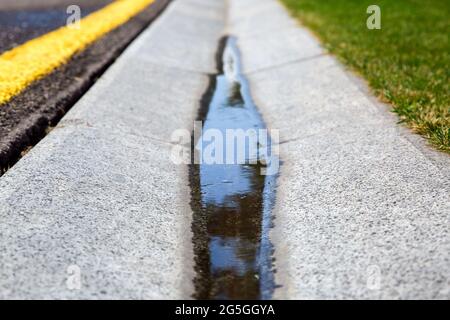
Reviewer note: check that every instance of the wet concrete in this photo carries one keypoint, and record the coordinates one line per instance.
(231, 201)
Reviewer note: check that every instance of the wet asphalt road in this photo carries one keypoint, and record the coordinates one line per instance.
(22, 20)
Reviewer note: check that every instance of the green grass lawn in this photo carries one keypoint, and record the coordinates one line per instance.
(407, 62)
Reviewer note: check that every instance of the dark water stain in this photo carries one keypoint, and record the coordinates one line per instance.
(231, 202)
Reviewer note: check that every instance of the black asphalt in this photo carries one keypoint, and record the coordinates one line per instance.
(21, 20)
(26, 118)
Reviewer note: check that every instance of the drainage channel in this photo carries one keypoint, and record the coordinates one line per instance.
(232, 200)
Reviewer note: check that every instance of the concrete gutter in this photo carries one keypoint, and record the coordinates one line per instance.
(362, 205)
(99, 195)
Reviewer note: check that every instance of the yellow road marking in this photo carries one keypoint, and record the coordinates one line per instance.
(38, 57)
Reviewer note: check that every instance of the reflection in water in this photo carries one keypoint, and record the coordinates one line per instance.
(231, 202)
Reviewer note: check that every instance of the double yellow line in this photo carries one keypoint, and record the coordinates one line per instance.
(37, 58)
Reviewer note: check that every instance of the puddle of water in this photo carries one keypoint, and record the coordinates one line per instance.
(231, 202)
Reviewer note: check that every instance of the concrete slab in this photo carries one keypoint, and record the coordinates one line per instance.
(107, 212)
(249, 17)
(145, 107)
(99, 197)
(187, 38)
(362, 207)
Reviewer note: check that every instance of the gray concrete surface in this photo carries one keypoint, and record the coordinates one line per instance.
(99, 194)
(362, 206)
